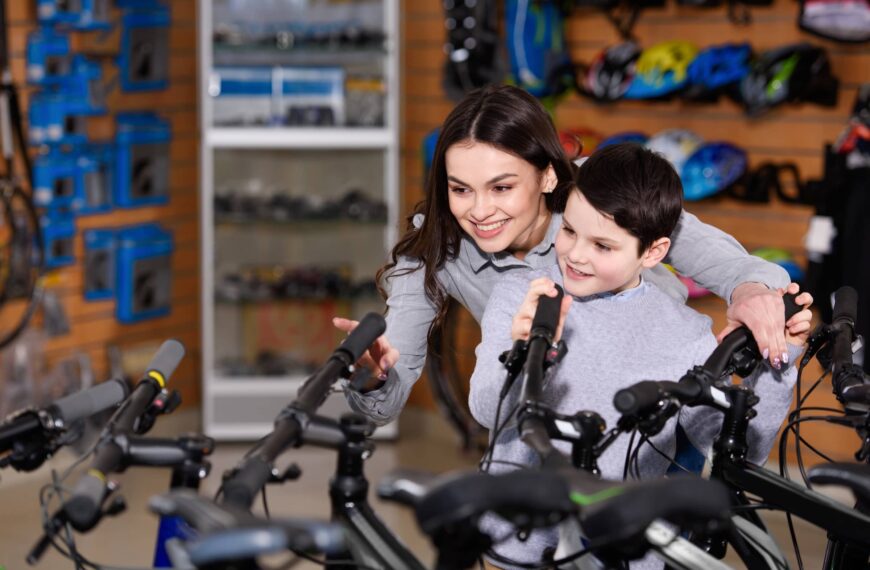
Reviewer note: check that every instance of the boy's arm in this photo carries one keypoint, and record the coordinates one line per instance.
(716, 261)
(495, 329)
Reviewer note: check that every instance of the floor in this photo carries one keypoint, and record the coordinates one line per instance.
(127, 541)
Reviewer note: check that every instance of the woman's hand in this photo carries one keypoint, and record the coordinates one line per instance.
(522, 323)
(797, 329)
(762, 311)
(379, 358)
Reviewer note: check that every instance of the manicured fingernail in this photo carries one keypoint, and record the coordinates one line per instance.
(785, 358)
(765, 354)
(776, 363)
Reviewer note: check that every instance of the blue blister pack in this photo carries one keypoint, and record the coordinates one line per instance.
(99, 270)
(143, 286)
(48, 56)
(79, 14)
(54, 180)
(58, 232)
(141, 160)
(95, 179)
(144, 59)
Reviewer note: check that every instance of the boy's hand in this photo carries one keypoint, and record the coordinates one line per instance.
(797, 329)
(522, 323)
(379, 358)
(762, 311)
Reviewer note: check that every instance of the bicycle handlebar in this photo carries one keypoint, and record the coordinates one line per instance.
(647, 395)
(83, 507)
(255, 471)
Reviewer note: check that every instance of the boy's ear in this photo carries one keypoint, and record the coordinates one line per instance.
(656, 252)
(550, 180)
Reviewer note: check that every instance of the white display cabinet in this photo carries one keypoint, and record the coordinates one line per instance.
(299, 170)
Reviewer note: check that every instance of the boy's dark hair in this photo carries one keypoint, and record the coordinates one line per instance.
(636, 187)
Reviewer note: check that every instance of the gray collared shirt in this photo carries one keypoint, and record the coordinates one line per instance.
(712, 258)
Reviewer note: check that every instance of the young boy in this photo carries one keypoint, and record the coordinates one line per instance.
(619, 329)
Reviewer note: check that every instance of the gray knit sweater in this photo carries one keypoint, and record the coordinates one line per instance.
(613, 341)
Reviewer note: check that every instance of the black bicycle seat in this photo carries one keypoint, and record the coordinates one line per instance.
(854, 476)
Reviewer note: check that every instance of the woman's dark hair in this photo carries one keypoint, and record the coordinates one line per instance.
(507, 118)
(636, 187)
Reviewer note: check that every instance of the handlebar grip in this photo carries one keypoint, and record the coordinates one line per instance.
(546, 318)
(167, 359)
(92, 400)
(364, 335)
(791, 307)
(241, 490)
(637, 397)
(845, 305)
(83, 508)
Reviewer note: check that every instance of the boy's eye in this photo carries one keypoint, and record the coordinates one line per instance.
(567, 230)
(602, 247)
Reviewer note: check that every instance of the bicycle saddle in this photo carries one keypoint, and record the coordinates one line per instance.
(854, 476)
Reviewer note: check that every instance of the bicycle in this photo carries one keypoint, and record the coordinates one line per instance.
(647, 403)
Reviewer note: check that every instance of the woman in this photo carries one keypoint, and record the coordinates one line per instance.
(498, 182)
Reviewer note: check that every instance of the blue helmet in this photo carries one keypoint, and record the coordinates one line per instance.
(718, 68)
(624, 137)
(713, 167)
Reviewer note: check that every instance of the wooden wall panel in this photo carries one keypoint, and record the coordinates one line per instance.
(93, 324)
(793, 133)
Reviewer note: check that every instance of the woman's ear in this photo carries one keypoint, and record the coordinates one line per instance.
(656, 252)
(550, 180)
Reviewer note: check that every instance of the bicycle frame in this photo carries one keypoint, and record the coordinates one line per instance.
(848, 535)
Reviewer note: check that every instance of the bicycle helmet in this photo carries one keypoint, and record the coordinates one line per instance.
(713, 167)
(838, 20)
(676, 145)
(662, 70)
(784, 259)
(716, 69)
(610, 74)
(427, 149)
(472, 46)
(624, 137)
(537, 51)
(796, 72)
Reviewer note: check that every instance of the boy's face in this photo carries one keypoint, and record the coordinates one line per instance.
(596, 255)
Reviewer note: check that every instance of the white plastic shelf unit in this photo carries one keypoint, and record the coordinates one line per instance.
(243, 404)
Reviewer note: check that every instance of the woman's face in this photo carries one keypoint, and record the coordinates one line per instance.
(497, 197)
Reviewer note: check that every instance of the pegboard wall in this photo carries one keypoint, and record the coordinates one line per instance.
(93, 324)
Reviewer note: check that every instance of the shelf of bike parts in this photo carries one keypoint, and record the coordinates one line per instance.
(299, 73)
(301, 138)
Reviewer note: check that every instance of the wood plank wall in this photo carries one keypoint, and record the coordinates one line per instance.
(93, 324)
(790, 133)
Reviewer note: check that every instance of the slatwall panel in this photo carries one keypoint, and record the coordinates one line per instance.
(791, 133)
(93, 324)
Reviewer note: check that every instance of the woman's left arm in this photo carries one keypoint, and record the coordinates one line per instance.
(716, 261)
